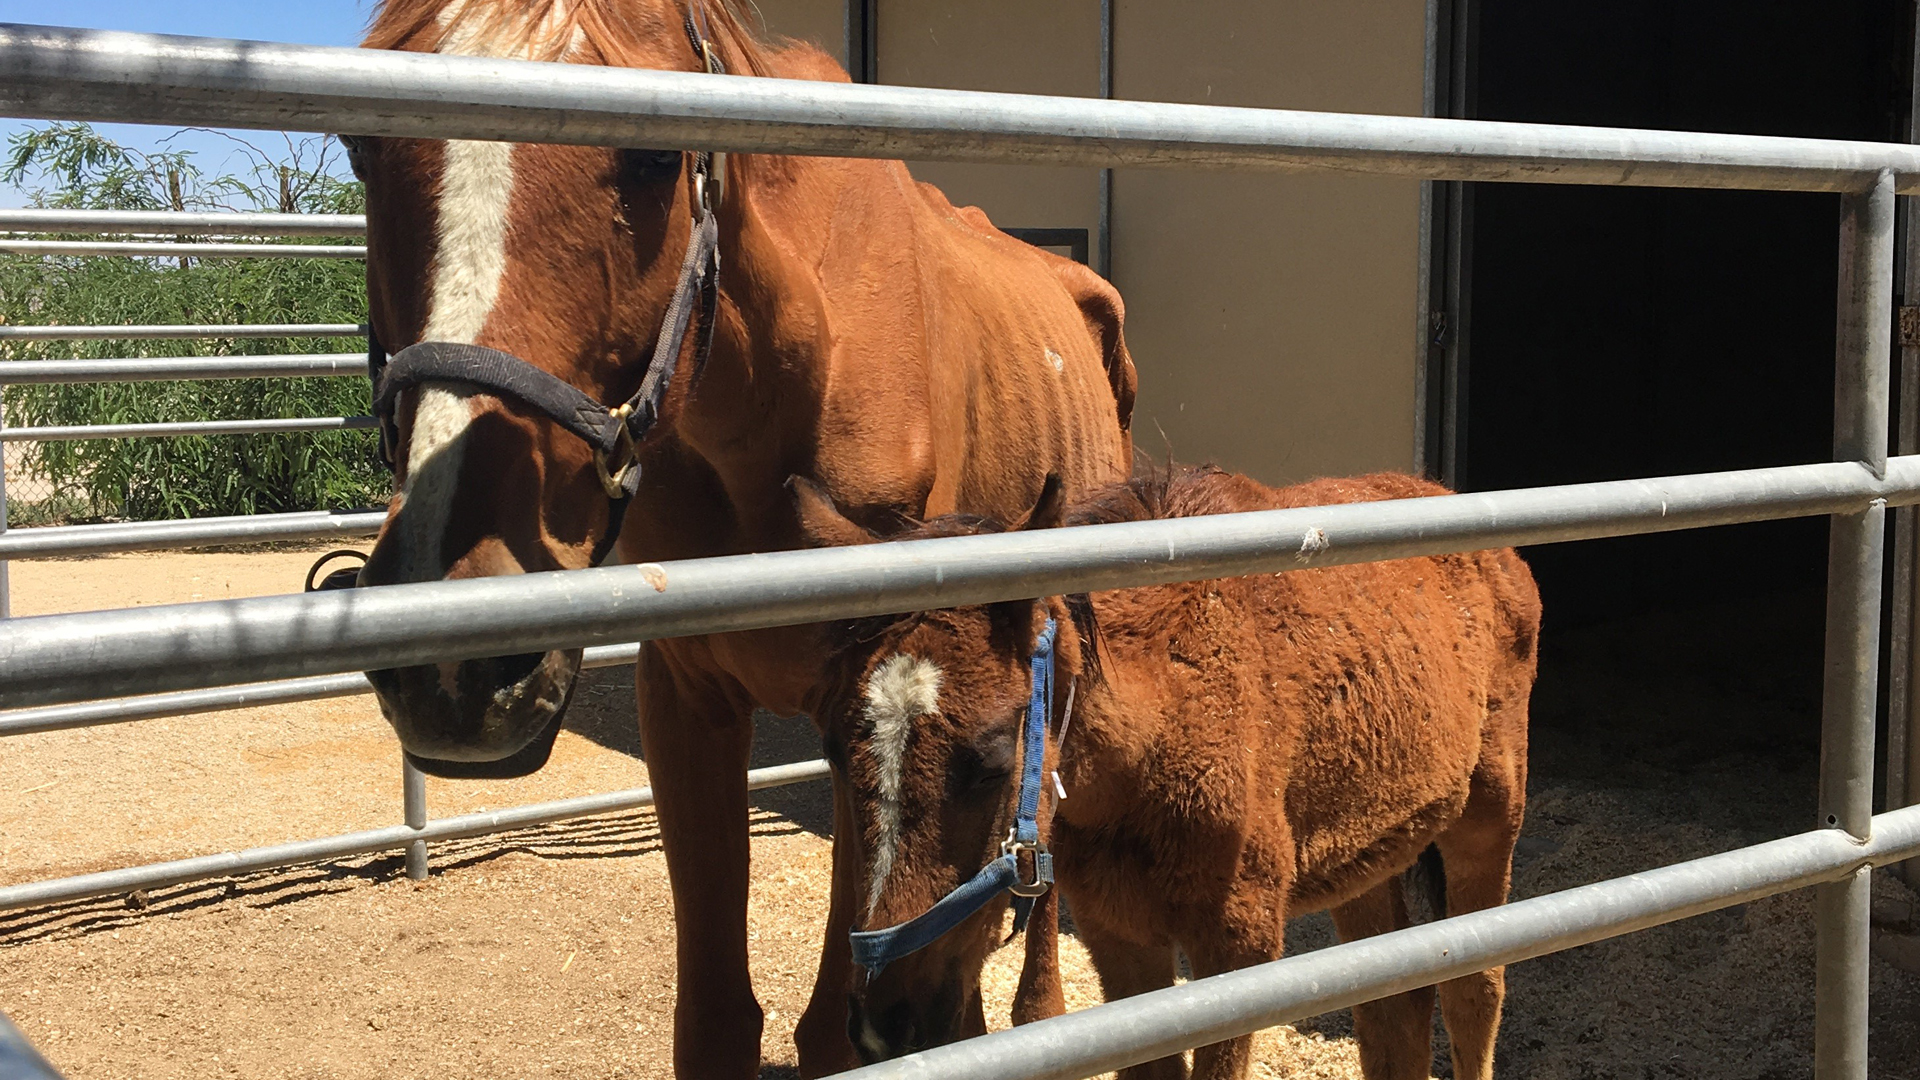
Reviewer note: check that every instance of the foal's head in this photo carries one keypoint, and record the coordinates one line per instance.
(563, 256)
(923, 719)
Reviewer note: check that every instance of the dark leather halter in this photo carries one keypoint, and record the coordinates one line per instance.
(612, 431)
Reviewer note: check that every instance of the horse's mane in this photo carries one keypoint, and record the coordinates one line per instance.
(548, 29)
(1172, 492)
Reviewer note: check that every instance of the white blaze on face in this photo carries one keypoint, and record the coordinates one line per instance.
(469, 263)
(901, 690)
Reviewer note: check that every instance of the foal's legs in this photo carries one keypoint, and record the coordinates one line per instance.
(696, 744)
(1126, 969)
(1477, 852)
(1248, 930)
(1396, 1033)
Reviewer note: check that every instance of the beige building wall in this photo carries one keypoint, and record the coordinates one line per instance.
(1016, 47)
(1272, 316)
(822, 22)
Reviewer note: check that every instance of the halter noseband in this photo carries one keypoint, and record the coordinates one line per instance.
(875, 949)
(613, 432)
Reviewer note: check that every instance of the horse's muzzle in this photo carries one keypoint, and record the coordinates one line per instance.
(888, 1026)
(492, 718)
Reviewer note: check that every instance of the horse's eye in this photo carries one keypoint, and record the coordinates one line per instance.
(356, 148)
(977, 768)
(650, 166)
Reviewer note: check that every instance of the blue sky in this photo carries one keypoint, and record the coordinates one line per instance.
(309, 22)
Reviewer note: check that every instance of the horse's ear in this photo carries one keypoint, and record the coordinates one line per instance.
(1050, 509)
(821, 522)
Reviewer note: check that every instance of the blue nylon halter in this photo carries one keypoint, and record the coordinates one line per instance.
(875, 949)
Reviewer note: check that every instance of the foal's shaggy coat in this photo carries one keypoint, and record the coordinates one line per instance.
(1239, 751)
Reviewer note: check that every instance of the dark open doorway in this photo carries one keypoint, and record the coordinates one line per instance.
(1599, 334)
(1641, 332)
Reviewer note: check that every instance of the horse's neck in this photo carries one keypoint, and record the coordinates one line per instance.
(783, 367)
(1103, 756)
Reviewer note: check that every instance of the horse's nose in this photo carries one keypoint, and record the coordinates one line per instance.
(494, 717)
(881, 1034)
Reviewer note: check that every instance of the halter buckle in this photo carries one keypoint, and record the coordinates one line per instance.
(1042, 866)
(614, 481)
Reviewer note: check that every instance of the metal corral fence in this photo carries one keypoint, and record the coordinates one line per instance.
(57, 660)
(46, 542)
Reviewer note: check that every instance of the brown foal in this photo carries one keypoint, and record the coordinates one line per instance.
(1237, 752)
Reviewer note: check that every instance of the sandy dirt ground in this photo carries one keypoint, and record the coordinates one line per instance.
(549, 952)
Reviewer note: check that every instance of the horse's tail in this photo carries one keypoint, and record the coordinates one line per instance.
(1425, 885)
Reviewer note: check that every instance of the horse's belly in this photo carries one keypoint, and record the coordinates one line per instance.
(1334, 865)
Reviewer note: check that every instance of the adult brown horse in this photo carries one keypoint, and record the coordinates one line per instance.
(865, 332)
(1233, 753)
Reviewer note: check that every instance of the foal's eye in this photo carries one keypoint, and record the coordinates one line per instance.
(976, 768)
(649, 166)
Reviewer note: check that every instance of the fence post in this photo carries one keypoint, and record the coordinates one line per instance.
(1863, 346)
(6, 593)
(413, 784)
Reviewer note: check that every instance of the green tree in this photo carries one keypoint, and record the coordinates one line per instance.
(74, 166)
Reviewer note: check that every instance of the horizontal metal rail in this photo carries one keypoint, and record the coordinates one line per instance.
(225, 698)
(187, 427)
(214, 330)
(1206, 1011)
(227, 864)
(52, 541)
(181, 223)
(71, 74)
(54, 659)
(156, 249)
(159, 368)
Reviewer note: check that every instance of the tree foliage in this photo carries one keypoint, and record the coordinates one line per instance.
(74, 166)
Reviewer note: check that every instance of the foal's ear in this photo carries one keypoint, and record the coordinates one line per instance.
(1050, 509)
(821, 522)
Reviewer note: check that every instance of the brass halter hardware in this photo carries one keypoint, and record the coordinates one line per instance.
(611, 479)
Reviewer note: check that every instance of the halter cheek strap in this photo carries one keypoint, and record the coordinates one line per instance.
(875, 949)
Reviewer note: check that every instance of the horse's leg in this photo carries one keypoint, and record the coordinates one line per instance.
(1248, 933)
(1477, 853)
(1126, 969)
(1396, 1033)
(696, 744)
(820, 1039)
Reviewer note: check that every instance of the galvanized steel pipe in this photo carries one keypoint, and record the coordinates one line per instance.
(51, 541)
(54, 659)
(158, 368)
(69, 74)
(1862, 381)
(224, 698)
(213, 330)
(227, 864)
(190, 427)
(156, 249)
(180, 223)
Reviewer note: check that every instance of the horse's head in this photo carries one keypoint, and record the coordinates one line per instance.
(564, 257)
(925, 720)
